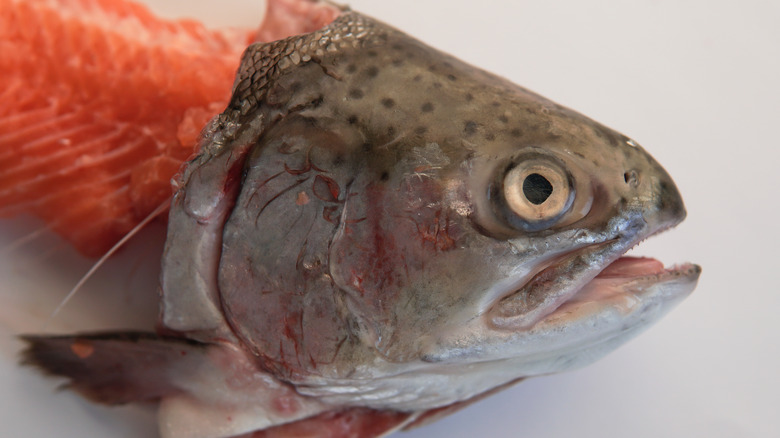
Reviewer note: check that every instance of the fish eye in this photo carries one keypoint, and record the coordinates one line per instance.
(534, 194)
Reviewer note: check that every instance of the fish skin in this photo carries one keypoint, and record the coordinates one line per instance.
(402, 283)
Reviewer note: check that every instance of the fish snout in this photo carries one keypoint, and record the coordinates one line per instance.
(655, 194)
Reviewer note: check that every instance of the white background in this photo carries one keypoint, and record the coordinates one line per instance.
(695, 82)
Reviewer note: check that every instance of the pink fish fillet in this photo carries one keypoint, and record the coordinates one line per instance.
(103, 101)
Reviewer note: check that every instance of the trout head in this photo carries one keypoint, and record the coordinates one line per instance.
(370, 213)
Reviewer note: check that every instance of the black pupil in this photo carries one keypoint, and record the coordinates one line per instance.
(536, 188)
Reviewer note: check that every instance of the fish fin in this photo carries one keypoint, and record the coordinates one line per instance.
(204, 390)
(111, 368)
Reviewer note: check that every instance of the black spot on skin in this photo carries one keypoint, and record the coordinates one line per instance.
(470, 127)
(372, 71)
(427, 107)
(420, 130)
(371, 53)
(469, 97)
(503, 118)
(490, 136)
(398, 62)
(417, 78)
(436, 85)
(338, 160)
(391, 131)
(352, 119)
(496, 104)
(397, 47)
(452, 77)
(356, 93)
(516, 132)
(388, 103)
(384, 176)
(367, 146)
(351, 68)
(432, 67)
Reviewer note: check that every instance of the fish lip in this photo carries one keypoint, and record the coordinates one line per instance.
(626, 286)
(559, 285)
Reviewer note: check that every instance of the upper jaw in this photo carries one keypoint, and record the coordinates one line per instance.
(567, 276)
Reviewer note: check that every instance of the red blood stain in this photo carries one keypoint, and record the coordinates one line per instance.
(82, 348)
(435, 230)
(326, 189)
(331, 214)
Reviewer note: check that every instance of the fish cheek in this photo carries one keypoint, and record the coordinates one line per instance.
(273, 276)
(387, 260)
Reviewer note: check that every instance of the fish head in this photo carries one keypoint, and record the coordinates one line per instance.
(481, 239)
(366, 198)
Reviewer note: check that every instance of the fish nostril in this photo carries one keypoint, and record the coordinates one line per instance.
(631, 178)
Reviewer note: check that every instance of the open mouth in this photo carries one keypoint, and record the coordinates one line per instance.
(591, 279)
(625, 279)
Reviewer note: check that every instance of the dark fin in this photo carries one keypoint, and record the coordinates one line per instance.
(433, 415)
(112, 368)
(349, 423)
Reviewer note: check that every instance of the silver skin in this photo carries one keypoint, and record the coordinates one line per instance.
(349, 229)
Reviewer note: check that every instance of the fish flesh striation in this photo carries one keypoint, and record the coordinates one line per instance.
(103, 102)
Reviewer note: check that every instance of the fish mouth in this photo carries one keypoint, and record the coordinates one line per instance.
(593, 279)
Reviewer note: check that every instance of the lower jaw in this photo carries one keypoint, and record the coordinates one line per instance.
(620, 285)
(625, 282)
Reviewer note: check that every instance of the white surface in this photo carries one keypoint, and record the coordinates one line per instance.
(695, 82)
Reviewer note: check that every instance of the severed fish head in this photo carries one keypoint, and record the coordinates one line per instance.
(373, 224)
(368, 209)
